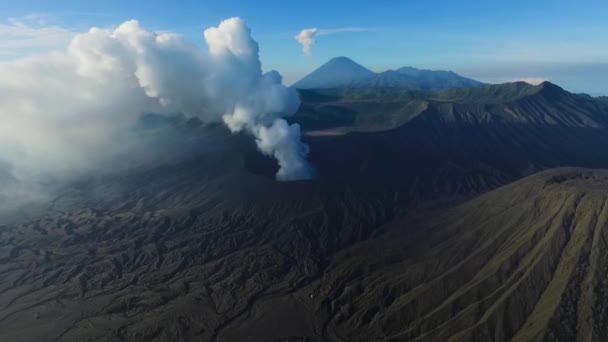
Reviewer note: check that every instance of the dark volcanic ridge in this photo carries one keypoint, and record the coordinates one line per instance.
(413, 230)
(347, 110)
(522, 262)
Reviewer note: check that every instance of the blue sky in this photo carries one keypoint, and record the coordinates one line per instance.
(565, 42)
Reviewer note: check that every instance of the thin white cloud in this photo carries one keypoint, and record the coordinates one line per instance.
(324, 32)
(32, 33)
(306, 37)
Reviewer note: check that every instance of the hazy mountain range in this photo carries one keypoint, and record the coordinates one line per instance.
(342, 72)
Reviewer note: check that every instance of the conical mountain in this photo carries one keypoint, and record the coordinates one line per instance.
(342, 72)
(338, 72)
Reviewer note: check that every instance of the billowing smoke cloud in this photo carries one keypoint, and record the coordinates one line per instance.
(307, 39)
(66, 110)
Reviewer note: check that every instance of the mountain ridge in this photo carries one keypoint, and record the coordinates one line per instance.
(366, 110)
(428, 223)
(343, 72)
(335, 73)
(491, 269)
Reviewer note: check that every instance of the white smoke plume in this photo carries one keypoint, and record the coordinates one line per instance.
(307, 39)
(65, 110)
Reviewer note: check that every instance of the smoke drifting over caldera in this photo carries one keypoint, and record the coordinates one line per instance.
(73, 111)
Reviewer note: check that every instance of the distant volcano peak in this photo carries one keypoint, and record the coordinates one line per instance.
(336, 73)
(343, 72)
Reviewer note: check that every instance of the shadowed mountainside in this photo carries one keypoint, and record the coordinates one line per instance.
(456, 148)
(338, 111)
(390, 241)
(525, 262)
(174, 251)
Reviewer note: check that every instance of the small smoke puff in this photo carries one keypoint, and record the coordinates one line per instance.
(306, 37)
(63, 110)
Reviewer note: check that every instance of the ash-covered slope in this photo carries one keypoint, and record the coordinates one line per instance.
(173, 252)
(209, 247)
(526, 262)
(460, 146)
